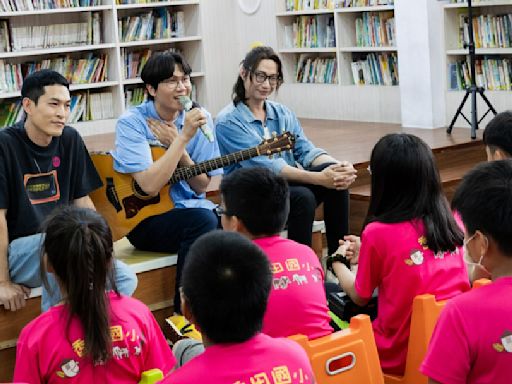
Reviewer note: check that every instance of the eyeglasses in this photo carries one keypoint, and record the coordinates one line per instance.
(261, 77)
(221, 211)
(172, 83)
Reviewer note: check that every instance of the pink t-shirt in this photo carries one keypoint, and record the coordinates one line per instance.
(297, 302)
(395, 259)
(46, 353)
(472, 341)
(261, 359)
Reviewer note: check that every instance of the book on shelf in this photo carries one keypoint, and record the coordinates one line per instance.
(493, 74)
(10, 112)
(11, 77)
(25, 36)
(375, 29)
(134, 61)
(320, 70)
(376, 69)
(159, 23)
(135, 96)
(489, 31)
(87, 106)
(465, 1)
(36, 5)
(311, 32)
(362, 3)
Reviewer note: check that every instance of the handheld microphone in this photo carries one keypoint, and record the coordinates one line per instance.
(187, 105)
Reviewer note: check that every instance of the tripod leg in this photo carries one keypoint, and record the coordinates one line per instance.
(459, 110)
(481, 91)
(474, 119)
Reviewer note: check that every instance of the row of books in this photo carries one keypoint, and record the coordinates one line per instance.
(311, 32)
(32, 5)
(157, 24)
(134, 61)
(375, 29)
(362, 3)
(489, 31)
(90, 69)
(24, 36)
(493, 74)
(322, 70)
(376, 69)
(87, 106)
(305, 5)
(465, 1)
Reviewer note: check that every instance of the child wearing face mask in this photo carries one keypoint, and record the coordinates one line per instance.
(472, 341)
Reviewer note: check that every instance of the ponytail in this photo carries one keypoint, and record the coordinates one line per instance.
(78, 246)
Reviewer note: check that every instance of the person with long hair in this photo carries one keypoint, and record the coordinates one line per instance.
(411, 244)
(314, 176)
(93, 335)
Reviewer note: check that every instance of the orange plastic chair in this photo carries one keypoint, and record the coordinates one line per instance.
(348, 356)
(425, 312)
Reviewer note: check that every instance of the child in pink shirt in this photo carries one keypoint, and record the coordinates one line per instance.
(93, 336)
(472, 341)
(410, 245)
(225, 287)
(255, 203)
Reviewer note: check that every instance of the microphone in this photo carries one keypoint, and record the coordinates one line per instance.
(187, 105)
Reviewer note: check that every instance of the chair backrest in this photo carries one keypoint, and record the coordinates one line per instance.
(425, 312)
(348, 356)
(481, 282)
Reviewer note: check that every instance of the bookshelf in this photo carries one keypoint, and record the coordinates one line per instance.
(362, 48)
(493, 18)
(117, 36)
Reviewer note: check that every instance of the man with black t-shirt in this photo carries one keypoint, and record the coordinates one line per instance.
(43, 164)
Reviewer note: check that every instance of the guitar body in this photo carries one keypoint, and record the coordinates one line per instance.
(120, 199)
(124, 205)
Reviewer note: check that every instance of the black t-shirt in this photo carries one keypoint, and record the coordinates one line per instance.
(34, 180)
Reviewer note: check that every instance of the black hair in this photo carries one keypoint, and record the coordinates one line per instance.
(484, 200)
(250, 64)
(78, 246)
(405, 185)
(258, 197)
(160, 66)
(33, 84)
(498, 133)
(226, 282)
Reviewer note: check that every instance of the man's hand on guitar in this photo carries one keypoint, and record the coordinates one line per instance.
(164, 131)
(13, 296)
(194, 119)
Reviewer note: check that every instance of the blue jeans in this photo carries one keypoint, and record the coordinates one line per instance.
(171, 232)
(24, 268)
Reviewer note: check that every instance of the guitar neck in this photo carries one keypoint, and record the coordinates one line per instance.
(185, 173)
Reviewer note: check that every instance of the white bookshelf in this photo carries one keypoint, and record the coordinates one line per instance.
(501, 99)
(345, 50)
(190, 44)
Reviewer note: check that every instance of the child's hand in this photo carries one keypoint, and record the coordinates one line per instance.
(352, 245)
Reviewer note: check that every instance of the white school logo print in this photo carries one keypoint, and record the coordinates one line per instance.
(506, 343)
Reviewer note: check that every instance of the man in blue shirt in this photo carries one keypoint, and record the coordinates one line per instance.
(314, 176)
(162, 120)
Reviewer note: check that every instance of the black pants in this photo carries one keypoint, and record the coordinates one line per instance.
(304, 198)
(172, 232)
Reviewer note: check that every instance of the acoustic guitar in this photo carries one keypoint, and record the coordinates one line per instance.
(124, 204)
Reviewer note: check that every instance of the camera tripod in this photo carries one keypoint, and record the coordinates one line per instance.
(473, 89)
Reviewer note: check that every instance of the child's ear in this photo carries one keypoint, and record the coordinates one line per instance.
(186, 310)
(500, 154)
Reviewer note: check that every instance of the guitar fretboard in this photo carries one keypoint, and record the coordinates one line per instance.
(185, 173)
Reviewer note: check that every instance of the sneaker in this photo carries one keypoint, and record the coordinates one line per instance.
(179, 328)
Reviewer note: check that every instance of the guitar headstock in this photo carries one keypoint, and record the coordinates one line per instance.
(276, 144)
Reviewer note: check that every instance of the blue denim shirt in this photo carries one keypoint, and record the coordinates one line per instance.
(238, 129)
(133, 153)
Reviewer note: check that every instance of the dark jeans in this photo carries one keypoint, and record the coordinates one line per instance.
(304, 198)
(173, 232)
